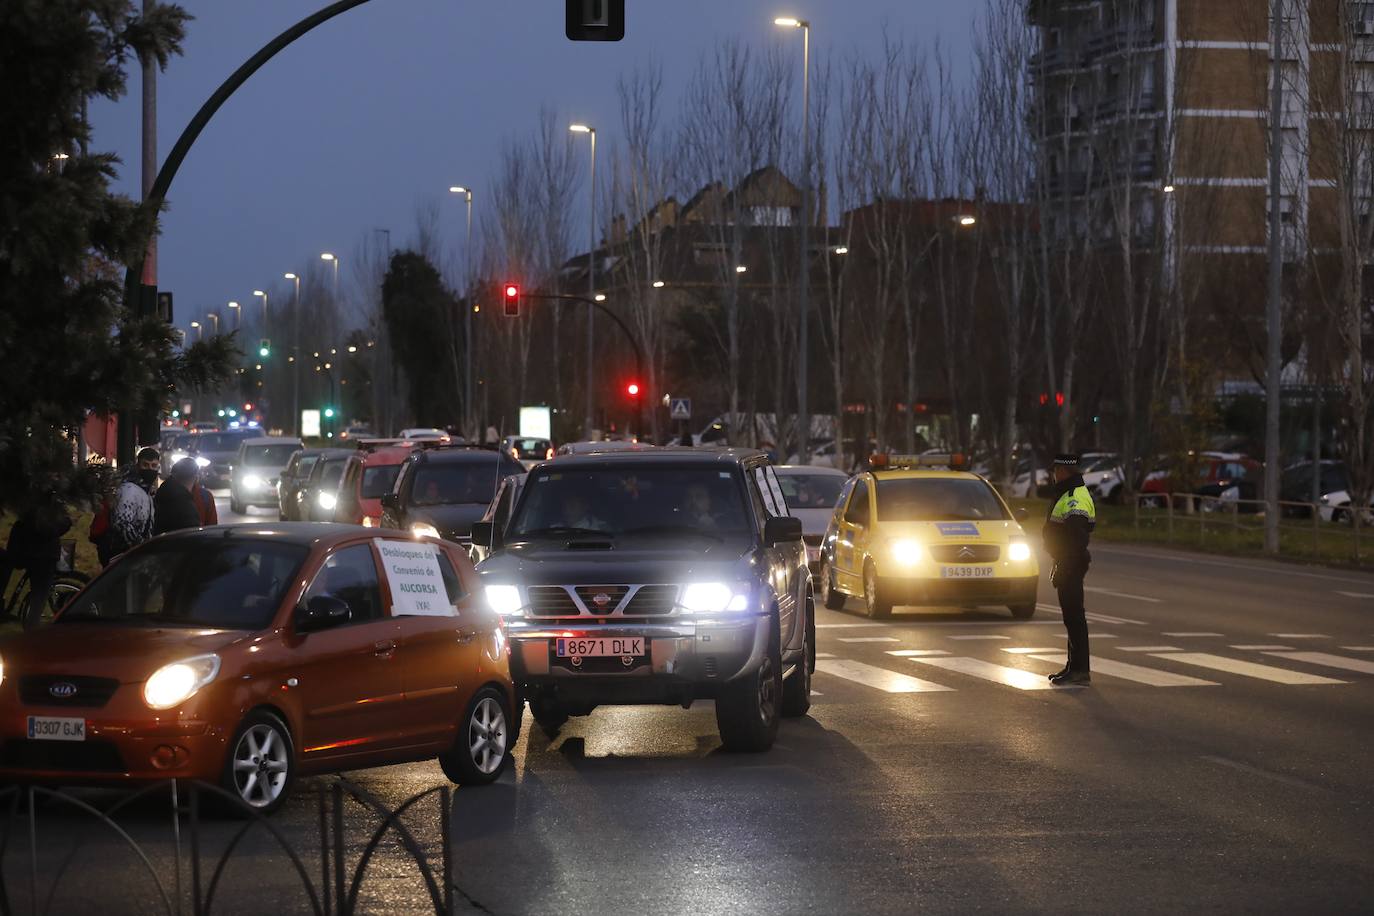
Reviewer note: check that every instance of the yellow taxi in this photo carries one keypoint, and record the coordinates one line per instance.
(919, 530)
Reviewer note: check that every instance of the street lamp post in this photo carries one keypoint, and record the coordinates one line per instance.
(214, 316)
(591, 287)
(195, 325)
(238, 315)
(295, 355)
(803, 409)
(326, 256)
(263, 294)
(467, 316)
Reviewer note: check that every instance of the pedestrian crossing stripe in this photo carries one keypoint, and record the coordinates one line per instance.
(880, 678)
(1247, 669)
(1138, 673)
(998, 674)
(1364, 666)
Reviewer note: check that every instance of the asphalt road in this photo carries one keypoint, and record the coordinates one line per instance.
(1220, 761)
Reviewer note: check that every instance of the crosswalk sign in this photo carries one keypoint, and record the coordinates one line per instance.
(680, 408)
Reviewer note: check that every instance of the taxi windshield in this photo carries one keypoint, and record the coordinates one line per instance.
(640, 501)
(811, 491)
(937, 499)
(232, 585)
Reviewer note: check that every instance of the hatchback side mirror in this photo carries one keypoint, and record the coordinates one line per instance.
(1022, 514)
(321, 613)
(784, 530)
(484, 535)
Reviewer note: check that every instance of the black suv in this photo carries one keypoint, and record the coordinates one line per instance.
(440, 492)
(656, 577)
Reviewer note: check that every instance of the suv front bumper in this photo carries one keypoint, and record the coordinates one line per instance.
(684, 660)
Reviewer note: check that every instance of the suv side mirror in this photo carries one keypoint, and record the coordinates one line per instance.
(321, 613)
(389, 501)
(785, 530)
(1022, 514)
(484, 535)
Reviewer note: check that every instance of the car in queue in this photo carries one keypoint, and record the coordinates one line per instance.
(426, 434)
(354, 433)
(369, 475)
(257, 468)
(252, 655)
(293, 478)
(319, 495)
(811, 494)
(440, 492)
(174, 449)
(661, 576)
(603, 445)
(526, 450)
(914, 530)
(215, 454)
(498, 513)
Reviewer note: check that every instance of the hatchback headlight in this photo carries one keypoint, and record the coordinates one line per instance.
(504, 599)
(424, 530)
(2, 671)
(1018, 551)
(327, 500)
(176, 683)
(713, 598)
(252, 481)
(907, 552)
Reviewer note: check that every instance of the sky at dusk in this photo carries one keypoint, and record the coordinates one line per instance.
(351, 127)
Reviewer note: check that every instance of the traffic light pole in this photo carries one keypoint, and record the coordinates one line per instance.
(629, 335)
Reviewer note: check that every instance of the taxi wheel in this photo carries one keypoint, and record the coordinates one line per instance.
(832, 597)
(482, 749)
(877, 604)
(1022, 611)
(747, 708)
(796, 690)
(261, 764)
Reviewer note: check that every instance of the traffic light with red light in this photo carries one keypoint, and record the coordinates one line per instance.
(632, 389)
(511, 300)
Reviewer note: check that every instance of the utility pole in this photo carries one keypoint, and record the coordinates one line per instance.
(1273, 312)
(149, 147)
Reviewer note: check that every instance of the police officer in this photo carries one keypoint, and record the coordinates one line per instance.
(1067, 530)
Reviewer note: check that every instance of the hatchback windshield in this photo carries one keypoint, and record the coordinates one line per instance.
(450, 484)
(631, 501)
(269, 456)
(914, 499)
(811, 491)
(236, 585)
(377, 480)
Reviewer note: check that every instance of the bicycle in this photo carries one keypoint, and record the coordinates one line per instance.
(65, 584)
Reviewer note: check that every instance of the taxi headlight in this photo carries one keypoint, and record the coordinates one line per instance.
(202, 462)
(327, 500)
(424, 530)
(176, 683)
(1018, 552)
(252, 481)
(503, 599)
(907, 552)
(713, 598)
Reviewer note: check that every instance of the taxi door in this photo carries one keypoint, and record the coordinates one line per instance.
(851, 544)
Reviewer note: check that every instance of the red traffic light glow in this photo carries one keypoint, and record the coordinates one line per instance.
(632, 389)
(512, 291)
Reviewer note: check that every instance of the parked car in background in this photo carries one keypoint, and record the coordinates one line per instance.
(292, 479)
(527, 451)
(1208, 468)
(1295, 486)
(369, 475)
(498, 513)
(250, 656)
(811, 494)
(353, 433)
(319, 496)
(440, 492)
(257, 467)
(215, 454)
(426, 434)
(174, 449)
(204, 426)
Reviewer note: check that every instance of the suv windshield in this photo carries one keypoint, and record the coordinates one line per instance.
(332, 472)
(439, 484)
(811, 491)
(377, 480)
(914, 499)
(268, 456)
(632, 501)
(217, 442)
(234, 585)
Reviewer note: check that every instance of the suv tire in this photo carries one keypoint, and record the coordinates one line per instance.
(747, 709)
(796, 690)
(548, 715)
(830, 595)
(235, 506)
(877, 603)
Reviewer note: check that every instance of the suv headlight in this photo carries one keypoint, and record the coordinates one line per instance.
(1018, 551)
(907, 552)
(713, 598)
(327, 500)
(424, 530)
(176, 683)
(503, 599)
(202, 462)
(252, 481)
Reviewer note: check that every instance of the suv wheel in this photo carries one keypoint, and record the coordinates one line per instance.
(876, 601)
(549, 716)
(482, 747)
(831, 596)
(796, 690)
(235, 506)
(747, 709)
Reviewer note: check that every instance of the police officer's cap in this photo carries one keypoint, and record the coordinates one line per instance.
(1066, 460)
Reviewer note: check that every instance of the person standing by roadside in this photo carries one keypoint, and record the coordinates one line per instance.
(175, 504)
(129, 521)
(205, 502)
(35, 545)
(1068, 528)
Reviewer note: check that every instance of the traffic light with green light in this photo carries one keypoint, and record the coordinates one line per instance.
(264, 348)
(329, 413)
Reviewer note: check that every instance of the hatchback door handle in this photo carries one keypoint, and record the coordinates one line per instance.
(384, 646)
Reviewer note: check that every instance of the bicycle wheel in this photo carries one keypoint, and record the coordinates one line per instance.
(64, 587)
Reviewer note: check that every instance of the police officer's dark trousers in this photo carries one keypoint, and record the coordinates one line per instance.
(1070, 588)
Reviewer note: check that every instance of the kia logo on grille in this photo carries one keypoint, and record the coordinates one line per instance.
(62, 690)
(966, 553)
(601, 600)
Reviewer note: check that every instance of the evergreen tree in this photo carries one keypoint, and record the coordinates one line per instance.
(67, 344)
(417, 307)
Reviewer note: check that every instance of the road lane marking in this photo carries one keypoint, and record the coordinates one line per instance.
(1108, 618)
(980, 637)
(914, 653)
(1027, 650)
(1141, 675)
(1248, 669)
(1149, 648)
(998, 674)
(1192, 634)
(1356, 594)
(868, 639)
(911, 621)
(1172, 557)
(1115, 594)
(1364, 666)
(1102, 636)
(824, 655)
(1358, 648)
(846, 626)
(1300, 635)
(879, 678)
(1260, 648)
(1263, 774)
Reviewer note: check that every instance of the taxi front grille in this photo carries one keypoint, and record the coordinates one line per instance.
(66, 690)
(965, 553)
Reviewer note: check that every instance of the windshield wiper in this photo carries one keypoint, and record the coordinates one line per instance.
(561, 531)
(676, 529)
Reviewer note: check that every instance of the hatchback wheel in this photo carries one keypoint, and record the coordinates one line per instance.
(482, 748)
(261, 764)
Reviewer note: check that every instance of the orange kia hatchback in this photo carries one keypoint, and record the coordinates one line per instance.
(249, 655)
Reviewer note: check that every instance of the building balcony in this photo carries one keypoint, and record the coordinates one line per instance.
(1122, 38)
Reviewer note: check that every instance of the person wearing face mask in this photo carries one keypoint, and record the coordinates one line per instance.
(131, 515)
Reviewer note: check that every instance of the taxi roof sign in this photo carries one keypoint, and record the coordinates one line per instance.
(954, 461)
